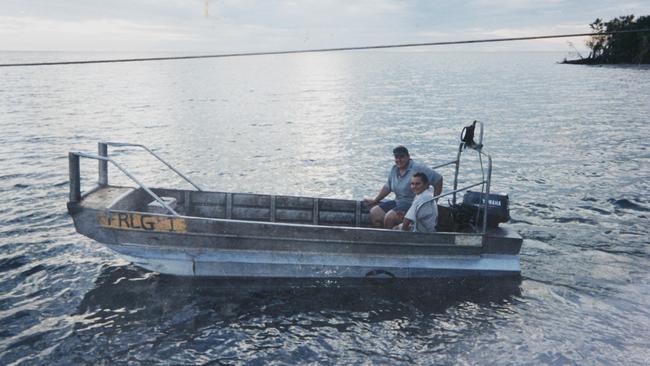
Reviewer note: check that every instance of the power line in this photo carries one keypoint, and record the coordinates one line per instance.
(402, 45)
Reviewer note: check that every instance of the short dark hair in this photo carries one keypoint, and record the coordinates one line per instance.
(400, 150)
(423, 177)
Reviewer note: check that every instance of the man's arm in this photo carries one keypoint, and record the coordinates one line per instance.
(380, 196)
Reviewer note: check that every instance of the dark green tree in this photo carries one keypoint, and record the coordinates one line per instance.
(617, 48)
(597, 43)
(620, 47)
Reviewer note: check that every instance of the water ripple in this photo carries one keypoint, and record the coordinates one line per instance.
(567, 148)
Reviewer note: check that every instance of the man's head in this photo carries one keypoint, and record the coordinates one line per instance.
(419, 182)
(402, 157)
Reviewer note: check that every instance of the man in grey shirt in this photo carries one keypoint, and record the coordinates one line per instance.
(388, 214)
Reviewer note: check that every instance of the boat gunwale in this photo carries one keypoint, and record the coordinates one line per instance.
(298, 239)
(500, 233)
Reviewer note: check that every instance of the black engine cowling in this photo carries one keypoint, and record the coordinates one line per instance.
(498, 211)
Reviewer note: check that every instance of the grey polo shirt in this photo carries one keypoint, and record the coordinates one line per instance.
(401, 185)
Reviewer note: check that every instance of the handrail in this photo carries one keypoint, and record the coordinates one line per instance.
(126, 144)
(74, 176)
(444, 164)
(458, 190)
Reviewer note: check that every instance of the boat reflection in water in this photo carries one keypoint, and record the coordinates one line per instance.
(129, 295)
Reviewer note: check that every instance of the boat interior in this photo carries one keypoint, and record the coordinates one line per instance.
(243, 206)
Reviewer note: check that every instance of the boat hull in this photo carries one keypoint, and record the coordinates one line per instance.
(266, 264)
(223, 247)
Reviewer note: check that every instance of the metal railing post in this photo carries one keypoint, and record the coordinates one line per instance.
(487, 194)
(75, 177)
(102, 150)
(460, 150)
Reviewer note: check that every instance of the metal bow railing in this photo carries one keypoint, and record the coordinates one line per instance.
(102, 157)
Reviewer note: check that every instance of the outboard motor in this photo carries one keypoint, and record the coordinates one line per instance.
(498, 211)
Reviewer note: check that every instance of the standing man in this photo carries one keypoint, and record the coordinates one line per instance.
(388, 214)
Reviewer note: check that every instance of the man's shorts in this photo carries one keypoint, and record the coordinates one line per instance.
(393, 205)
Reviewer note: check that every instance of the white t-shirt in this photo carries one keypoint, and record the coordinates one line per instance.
(423, 212)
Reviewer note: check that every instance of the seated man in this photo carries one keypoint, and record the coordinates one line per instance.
(387, 214)
(423, 214)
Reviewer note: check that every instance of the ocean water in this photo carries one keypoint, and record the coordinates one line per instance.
(570, 147)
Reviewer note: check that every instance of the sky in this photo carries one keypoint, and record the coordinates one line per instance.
(225, 26)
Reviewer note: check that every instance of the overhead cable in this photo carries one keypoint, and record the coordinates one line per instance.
(264, 53)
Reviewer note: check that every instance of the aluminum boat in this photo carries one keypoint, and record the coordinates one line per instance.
(193, 232)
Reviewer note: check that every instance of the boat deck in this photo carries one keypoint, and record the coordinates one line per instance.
(104, 197)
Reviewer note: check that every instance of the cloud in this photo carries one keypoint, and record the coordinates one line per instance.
(29, 33)
(251, 25)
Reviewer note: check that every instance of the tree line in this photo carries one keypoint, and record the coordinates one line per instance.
(618, 48)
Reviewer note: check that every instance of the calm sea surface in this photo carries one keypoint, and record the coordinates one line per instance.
(570, 144)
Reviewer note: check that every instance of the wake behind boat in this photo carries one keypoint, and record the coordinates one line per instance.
(227, 234)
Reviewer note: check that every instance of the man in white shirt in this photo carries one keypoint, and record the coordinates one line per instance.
(422, 216)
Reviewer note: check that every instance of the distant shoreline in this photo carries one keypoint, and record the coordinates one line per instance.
(596, 62)
(582, 61)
